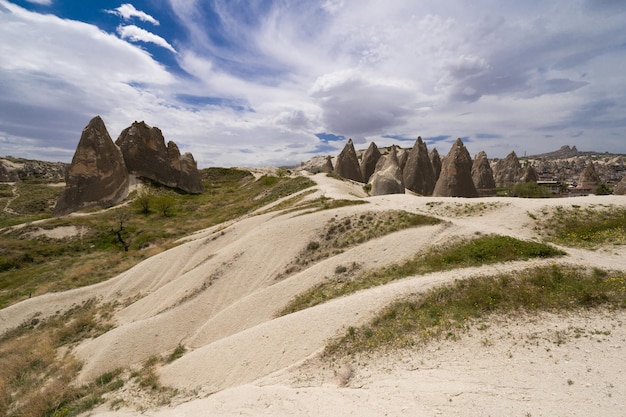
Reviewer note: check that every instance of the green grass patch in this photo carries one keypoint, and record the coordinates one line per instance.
(341, 233)
(483, 250)
(446, 311)
(586, 227)
(31, 265)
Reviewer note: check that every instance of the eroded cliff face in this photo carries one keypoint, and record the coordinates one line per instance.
(147, 156)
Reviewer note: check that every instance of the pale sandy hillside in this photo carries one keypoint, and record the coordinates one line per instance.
(219, 291)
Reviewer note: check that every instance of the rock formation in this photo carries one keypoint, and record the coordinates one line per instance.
(620, 188)
(506, 172)
(368, 163)
(328, 165)
(418, 171)
(527, 174)
(97, 175)
(455, 179)
(7, 175)
(388, 179)
(589, 179)
(147, 156)
(482, 176)
(347, 163)
(435, 161)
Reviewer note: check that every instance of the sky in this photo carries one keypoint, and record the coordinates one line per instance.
(276, 82)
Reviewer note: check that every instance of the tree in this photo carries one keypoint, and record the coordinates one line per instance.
(121, 218)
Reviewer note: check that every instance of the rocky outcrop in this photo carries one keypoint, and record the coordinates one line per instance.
(388, 179)
(528, 174)
(7, 175)
(482, 176)
(418, 171)
(147, 156)
(97, 175)
(589, 179)
(435, 162)
(328, 165)
(506, 172)
(347, 163)
(455, 179)
(620, 188)
(368, 163)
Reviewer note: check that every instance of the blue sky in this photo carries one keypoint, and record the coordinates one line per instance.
(275, 82)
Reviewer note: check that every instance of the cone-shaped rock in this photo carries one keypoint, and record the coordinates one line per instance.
(388, 179)
(97, 175)
(507, 171)
(368, 164)
(418, 171)
(147, 156)
(403, 155)
(620, 188)
(482, 175)
(328, 165)
(347, 163)
(435, 161)
(455, 179)
(589, 179)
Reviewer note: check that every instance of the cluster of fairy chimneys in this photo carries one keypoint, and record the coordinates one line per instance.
(426, 173)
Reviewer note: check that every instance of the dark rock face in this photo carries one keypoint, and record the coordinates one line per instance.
(418, 171)
(435, 161)
(507, 171)
(388, 179)
(97, 175)
(146, 156)
(482, 176)
(368, 164)
(455, 179)
(347, 163)
(328, 165)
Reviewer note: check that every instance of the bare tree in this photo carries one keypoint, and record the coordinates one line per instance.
(121, 218)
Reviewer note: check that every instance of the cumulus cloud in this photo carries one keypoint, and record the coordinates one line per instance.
(355, 104)
(137, 34)
(127, 12)
(42, 2)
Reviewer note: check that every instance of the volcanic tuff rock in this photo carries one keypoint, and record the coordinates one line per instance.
(435, 161)
(388, 179)
(7, 175)
(147, 156)
(506, 172)
(97, 175)
(347, 163)
(418, 171)
(620, 188)
(368, 163)
(455, 179)
(589, 178)
(482, 176)
(528, 174)
(328, 165)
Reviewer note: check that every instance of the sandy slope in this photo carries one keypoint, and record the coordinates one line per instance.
(218, 294)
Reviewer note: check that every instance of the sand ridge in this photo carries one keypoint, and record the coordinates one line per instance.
(218, 293)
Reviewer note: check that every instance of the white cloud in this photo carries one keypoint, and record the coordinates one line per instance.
(137, 34)
(42, 2)
(262, 82)
(127, 11)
